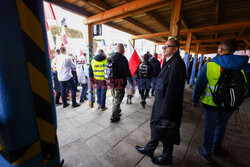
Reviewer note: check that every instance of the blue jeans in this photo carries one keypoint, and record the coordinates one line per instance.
(84, 90)
(153, 83)
(70, 84)
(215, 123)
(101, 95)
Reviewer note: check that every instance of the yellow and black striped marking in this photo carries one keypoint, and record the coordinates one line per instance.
(33, 43)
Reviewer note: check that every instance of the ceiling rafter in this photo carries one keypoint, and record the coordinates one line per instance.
(217, 15)
(103, 6)
(126, 10)
(201, 29)
(158, 18)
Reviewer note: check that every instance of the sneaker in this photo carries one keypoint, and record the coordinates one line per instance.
(76, 105)
(206, 158)
(65, 105)
(81, 100)
(113, 120)
(98, 106)
(103, 109)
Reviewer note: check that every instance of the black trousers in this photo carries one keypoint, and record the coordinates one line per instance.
(58, 95)
(154, 141)
(144, 93)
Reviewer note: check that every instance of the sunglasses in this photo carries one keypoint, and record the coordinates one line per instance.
(168, 46)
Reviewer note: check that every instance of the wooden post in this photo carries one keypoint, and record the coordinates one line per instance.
(133, 42)
(197, 49)
(91, 96)
(175, 18)
(155, 48)
(188, 47)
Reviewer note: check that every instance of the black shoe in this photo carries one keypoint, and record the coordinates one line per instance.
(152, 94)
(76, 105)
(143, 104)
(85, 98)
(216, 152)
(206, 158)
(81, 100)
(144, 151)
(162, 160)
(113, 120)
(65, 105)
(58, 103)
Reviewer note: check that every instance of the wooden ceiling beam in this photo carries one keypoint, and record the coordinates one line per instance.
(213, 40)
(126, 10)
(158, 18)
(185, 25)
(201, 29)
(241, 31)
(247, 42)
(217, 14)
(99, 4)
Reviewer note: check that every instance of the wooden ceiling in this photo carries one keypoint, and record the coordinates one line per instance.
(210, 21)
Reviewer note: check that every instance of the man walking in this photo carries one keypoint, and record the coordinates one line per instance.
(167, 108)
(156, 71)
(215, 119)
(97, 71)
(121, 73)
(64, 65)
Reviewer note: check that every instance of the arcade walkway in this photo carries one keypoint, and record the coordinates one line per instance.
(87, 139)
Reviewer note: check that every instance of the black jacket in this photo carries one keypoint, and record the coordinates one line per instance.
(156, 67)
(169, 95)
(121, 70)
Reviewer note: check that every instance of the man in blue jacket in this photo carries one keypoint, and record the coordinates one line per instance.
(215, 121)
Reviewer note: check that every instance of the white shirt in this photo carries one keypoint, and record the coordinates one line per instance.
(63, 66)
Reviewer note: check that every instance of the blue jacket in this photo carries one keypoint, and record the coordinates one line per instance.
(232, 62)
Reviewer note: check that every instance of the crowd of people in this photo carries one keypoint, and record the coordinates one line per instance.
(167, 84)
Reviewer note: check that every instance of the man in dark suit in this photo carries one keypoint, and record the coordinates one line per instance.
(167, 109)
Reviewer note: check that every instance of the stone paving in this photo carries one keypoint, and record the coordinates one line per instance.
(88, 139)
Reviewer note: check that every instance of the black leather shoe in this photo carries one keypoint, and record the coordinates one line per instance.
(113, 120)
(142, 150)
(162, 160)
(76, 105)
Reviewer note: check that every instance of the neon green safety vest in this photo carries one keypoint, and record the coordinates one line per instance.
(98, 68)
(213, 75)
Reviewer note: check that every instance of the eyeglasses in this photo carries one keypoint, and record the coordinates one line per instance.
(168, 46)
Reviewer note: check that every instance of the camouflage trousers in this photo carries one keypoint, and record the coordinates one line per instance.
(118, 95)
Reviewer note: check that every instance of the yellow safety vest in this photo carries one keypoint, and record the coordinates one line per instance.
(98, 68)
(53, 65)
(213, 75)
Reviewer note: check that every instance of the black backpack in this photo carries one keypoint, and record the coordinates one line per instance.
(109, 71)
(145, 71)
(230, 90)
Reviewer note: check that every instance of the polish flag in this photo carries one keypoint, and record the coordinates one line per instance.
(132, 56)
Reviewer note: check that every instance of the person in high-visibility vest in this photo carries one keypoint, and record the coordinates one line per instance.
(97, 67)
(215, 121)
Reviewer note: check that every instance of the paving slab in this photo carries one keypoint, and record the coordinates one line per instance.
(88, 139)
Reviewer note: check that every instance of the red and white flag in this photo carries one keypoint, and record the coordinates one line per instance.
(132, 56)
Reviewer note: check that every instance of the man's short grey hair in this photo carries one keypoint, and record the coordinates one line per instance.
(100, 51)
